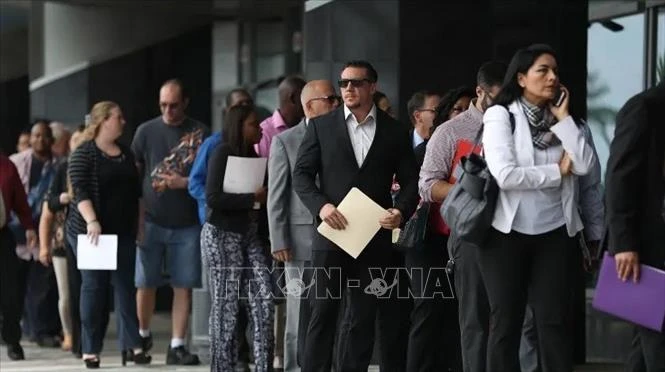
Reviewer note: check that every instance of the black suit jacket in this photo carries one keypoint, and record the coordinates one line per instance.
(326, 152)
(634, 179)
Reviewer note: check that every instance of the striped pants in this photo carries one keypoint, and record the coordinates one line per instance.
(238, 267)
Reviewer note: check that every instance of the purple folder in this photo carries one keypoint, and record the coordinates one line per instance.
(642, 303)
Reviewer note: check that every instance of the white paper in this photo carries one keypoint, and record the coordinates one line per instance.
(244, 175)
(363, 215)
(103, 256)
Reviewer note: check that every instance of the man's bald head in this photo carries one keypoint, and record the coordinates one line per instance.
(318, 98)
(289, 99)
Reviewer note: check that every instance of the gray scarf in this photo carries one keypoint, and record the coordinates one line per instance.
(540, 121)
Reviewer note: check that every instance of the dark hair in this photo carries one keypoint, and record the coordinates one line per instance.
(378, 96)
(183, 90)
(520, 63)
(24, 132)
(417, 101)
(491, 74)
(372, 75)
(229, 96)
(39, 120)
(448, 102)
(233, 131)
(46, 123)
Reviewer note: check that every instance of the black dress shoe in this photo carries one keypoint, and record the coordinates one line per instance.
(15, 352)
(92, 363)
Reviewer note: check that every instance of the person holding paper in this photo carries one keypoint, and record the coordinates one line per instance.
(233, 244)
(635, 187)
(106, 191)
(353, 146)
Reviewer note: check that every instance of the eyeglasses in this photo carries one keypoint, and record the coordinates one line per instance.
(332, 99)
(172, 106)
(356, 83)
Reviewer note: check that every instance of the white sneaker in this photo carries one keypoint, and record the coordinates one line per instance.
(278, 363)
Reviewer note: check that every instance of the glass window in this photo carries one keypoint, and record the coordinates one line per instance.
(615, 73)
(660, 65)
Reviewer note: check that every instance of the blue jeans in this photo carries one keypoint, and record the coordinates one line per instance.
(95, 286)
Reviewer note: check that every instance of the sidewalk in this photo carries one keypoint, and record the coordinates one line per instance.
(53, 360)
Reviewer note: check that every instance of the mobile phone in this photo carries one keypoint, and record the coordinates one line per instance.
(559, 96)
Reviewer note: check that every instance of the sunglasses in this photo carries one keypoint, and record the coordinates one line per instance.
(356, 83)
(331, 99)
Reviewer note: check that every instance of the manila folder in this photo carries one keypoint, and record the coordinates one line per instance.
(363, 215)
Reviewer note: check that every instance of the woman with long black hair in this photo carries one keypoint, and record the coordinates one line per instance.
(233, 246)
(535, 151)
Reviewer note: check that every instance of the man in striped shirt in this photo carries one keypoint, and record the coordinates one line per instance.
(451, 140)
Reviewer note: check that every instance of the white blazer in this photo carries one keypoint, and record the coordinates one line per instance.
(510, 159)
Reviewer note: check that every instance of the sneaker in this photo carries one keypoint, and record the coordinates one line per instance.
(15, 352)
(181, 357)
(278, 364)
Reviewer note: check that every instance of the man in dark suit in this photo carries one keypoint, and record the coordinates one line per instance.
(635, 192)
(354, 146)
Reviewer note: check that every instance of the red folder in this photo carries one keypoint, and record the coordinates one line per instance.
(463, 148)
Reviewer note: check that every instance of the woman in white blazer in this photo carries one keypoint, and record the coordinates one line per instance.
(535, 164)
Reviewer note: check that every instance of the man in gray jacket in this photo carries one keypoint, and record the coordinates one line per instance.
(291, 224)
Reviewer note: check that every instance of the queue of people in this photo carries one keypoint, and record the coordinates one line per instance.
(501, 305)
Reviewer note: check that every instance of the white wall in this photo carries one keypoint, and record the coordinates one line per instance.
(75, 34)
(13, 54)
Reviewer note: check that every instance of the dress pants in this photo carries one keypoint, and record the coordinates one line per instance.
(294, 273)
(474, 309)
(516, 268)
(335, 272)
(10, 301)
(392, 318)
(434, 338)
(40, 300)
(648, 351)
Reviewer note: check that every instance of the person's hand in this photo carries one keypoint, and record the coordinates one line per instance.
(561, 112)
(174, 181)
(565, 164)
(627, 265)
(94, 230)
(334, 218)
(31, 238)
(283, 255)
(44, 257)
(65, 198)
(261, 195)
(392, 219)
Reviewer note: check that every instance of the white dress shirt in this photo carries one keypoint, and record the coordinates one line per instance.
(417, 140)
(528, 181)
(361, 134)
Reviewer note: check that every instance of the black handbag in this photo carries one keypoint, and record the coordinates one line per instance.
(415, 229)
(469, 207)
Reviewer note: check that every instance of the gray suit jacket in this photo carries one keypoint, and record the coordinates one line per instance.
(291, 224)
